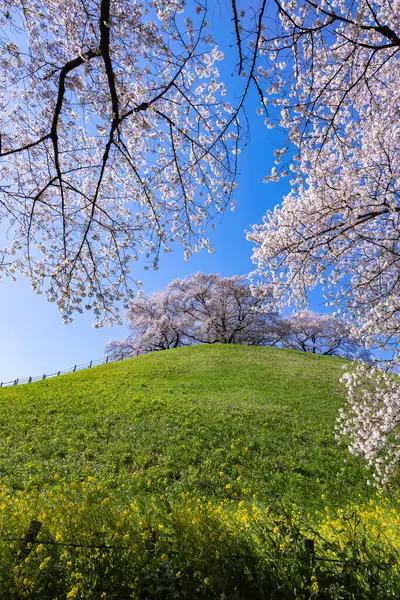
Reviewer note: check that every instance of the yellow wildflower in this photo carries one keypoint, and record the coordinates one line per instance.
(45, 563)
(314, 584)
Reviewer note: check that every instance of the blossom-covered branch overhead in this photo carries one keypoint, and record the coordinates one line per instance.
(116, 139)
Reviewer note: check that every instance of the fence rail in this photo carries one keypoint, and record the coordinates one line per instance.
(31, 539)
(82, 367)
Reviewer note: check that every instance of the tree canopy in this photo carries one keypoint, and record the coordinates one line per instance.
(210, 309)
(200, 309)
(325, 334)
(116, 139)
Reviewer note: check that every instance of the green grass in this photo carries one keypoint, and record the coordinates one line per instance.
(216, 421)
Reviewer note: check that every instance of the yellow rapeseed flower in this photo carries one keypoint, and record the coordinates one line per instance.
(314, 584)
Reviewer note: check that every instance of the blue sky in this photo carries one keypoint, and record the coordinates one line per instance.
(34, 339)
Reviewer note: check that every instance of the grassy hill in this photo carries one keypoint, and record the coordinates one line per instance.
(201, 473)
(218, 421)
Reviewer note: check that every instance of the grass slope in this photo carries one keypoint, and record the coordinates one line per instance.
(217, 421)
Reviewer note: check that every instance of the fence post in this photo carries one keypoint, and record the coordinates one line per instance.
(28, 538)
(90, 364)
(74, 369)
(59, 372)
(15, 381)
(309, 547)
(30, 379)
(106, 359)
(1, 384)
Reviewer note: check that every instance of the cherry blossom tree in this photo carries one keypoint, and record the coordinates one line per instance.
(116, 139)
(223, 310)
(202, 308)
(156, 322)
(338, 97)
(317, 333)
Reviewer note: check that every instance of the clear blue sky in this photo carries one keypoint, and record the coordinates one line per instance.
(34, 339)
